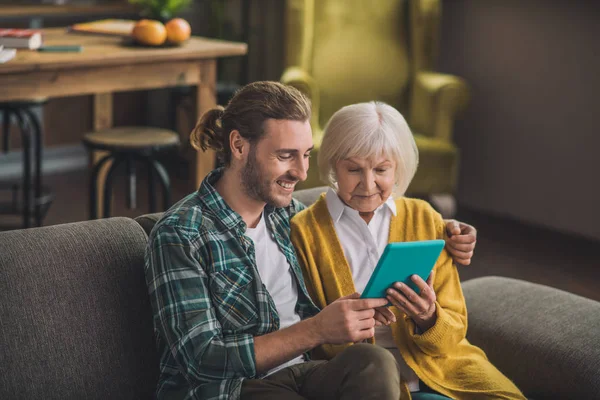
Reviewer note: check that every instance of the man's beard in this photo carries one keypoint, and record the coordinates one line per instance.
(255, 186)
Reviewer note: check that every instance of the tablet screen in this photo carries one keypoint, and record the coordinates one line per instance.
(399, 262)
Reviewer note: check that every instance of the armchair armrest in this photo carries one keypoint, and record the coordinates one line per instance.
(301, 80)
(436, 100)
(544, 339)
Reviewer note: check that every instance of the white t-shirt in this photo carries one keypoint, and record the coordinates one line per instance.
(363, 245)
(277, 276)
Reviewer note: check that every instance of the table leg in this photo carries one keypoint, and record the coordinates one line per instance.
(204, 162)
(102, 119)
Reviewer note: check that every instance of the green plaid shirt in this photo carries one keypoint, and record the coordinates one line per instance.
(208, 300)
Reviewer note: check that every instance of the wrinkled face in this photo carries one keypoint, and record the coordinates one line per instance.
(278, 161)
(365, 184)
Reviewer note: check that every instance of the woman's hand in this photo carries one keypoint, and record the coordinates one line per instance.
(420, 307)
(461, 241)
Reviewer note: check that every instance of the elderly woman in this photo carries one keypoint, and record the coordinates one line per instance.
(368, 156)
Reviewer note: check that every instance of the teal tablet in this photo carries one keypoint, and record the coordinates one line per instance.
(399, 262)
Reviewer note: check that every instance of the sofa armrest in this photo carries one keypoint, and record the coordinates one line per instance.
(75, 315)
(544, 339)
(436, 101)
(147, 221)
(301, 80)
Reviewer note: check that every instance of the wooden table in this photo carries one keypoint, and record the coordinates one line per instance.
(106, 66)
(28, 11)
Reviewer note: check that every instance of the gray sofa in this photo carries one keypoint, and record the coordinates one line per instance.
(75, 320)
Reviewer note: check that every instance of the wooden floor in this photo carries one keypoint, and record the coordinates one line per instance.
(504, 247)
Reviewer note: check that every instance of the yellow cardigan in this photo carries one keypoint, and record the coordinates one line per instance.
(441, 357)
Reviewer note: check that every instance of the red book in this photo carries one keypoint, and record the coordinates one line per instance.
(21, 38)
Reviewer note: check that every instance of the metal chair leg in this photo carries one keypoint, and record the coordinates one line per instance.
(132, 181)
(15, 196)
(151, 186)
(36, 130)
(163, 177)
(93, 204)
(118, 160)
(6, 129)
(26, 144)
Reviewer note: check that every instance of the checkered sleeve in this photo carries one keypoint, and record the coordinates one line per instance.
(183, 312)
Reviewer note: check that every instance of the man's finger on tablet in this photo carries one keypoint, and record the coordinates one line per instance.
(364, 314)
(381, 318)
(386, 313)
(354, 295)
(364, 304)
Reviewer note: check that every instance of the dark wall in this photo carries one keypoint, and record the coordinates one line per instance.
(529, 139)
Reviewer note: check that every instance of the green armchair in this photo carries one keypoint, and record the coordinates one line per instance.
(341, 52)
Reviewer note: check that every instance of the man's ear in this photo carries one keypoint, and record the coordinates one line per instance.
(239, 146)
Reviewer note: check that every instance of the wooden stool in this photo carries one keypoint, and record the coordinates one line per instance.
(31, 133)
(126, 145)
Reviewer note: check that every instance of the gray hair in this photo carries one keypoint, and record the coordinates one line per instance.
(369, 130)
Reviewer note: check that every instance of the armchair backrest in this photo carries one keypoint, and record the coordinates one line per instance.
(360, 50)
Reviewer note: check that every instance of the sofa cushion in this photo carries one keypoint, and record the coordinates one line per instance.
(75, 318)
(309, 196)
(546, 340)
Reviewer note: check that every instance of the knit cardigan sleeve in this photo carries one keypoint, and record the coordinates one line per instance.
(451, 324)
(303, 244)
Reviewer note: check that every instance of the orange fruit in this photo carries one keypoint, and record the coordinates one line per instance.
(149, 32)
(178, 30)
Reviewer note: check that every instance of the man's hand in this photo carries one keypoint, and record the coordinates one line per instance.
(461, 241)
(384, 316)
(348, 319)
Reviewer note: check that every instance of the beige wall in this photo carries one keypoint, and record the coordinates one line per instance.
(529, 139)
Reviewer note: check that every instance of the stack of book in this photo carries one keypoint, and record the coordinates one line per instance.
(12, 39)
(21, 38)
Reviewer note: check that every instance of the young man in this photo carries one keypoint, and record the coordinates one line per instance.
(231, 311)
